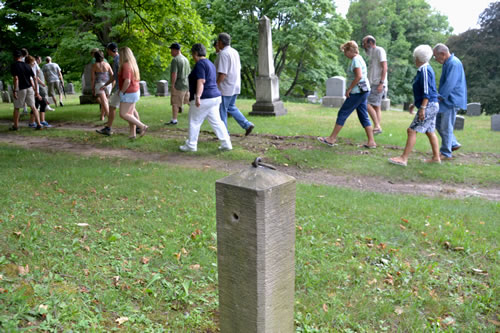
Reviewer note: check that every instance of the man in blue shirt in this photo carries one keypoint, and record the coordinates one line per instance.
(452, 97)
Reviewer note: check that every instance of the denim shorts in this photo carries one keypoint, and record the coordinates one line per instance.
(130, 97)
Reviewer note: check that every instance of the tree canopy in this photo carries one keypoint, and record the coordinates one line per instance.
(478, 49)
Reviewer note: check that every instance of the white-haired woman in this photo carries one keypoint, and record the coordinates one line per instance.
(426, 100)
(128, 81)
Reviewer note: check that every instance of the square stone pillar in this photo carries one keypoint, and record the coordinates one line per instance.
(256, 251)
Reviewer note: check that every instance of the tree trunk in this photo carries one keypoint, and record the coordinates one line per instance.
(296, 78)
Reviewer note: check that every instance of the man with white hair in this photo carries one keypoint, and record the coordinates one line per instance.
(452, 97)
(377, 75)
(54, 78)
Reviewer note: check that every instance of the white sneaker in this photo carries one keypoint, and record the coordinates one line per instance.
(49, 108)
(221, 148)
(185, 148)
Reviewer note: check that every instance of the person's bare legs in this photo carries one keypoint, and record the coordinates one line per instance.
(16, 117)
(410, 143)
(111, 116)
(378, 110)
(36, 114)
(333, 137)
(127, 111)
(369, 134)
(175, 112)
(435, 147)
(103, 101)
(373, 114)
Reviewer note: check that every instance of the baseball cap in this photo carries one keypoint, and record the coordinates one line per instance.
(112, 47)
(175, 46)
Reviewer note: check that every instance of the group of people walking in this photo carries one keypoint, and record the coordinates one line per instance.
(436, 109)
(211, 91)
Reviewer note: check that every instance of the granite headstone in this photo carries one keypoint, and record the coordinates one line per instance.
(162, 88)
(144, 88)
(473, 109)
(459, 123)
(495, 122)
(335, 92)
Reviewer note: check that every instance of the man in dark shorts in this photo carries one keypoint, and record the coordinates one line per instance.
(25, 89)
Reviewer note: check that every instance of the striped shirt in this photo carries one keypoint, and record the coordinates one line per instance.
(424, 85)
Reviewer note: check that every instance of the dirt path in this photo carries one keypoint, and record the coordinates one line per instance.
(324, 177)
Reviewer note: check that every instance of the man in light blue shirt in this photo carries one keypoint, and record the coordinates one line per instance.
(452, 97)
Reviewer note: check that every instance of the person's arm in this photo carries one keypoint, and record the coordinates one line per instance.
(34, 84)
(200, 85)
(60, 76)
(451, 76)
(173, 78)
(220, 77)
(111, 79)
(126, 84)
(380, 85)
(421, 110)
(357, 77)
(15, 89)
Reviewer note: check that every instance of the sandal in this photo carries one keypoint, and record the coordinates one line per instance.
(143, 131)
(393, 161)
(323, 141)
(369, 147)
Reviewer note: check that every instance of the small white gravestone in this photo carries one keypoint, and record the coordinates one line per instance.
(144, 88)
(386, 104)
(473, 109)
(5, 96)
(335, 92)
(495, 122)
(162, 88)
(459, 123)
(70, 88)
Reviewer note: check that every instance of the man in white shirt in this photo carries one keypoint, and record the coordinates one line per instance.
(377, 75)
(54, 79)
(229, 82)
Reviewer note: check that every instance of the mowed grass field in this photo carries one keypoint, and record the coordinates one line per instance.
(94, 244)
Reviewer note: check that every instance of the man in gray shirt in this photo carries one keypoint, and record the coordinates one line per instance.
(54, 79)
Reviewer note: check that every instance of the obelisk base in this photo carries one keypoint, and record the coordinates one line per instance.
(276, 108)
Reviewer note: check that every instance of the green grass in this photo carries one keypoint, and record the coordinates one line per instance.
(479, 166)
(364, 261)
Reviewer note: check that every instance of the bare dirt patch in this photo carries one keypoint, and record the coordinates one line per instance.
(323, 177)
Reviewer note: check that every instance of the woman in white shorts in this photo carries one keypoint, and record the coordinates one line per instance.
(101, 72)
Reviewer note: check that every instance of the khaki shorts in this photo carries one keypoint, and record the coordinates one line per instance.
(179, 97)
(53, 86)
(25, 96)
(114, 100)
(375, 98)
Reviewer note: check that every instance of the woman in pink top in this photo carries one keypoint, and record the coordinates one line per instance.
(128, 81)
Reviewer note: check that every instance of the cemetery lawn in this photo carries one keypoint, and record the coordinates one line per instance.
(290, 141)
(102, 244)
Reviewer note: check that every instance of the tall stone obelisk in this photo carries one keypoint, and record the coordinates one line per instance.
(267, 83)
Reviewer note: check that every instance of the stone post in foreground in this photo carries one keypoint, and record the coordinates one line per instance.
(256, 251)
(267, 84)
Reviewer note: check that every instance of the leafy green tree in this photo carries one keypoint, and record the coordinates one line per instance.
(71, 29)
(478, 49)
(399, 26)
(306, 38)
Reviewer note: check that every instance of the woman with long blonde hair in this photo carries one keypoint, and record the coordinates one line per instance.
(128, 82)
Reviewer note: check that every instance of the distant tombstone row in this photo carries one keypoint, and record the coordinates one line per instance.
(162, 88)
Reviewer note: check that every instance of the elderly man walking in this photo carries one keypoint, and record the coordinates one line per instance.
(452, 97)
(377, 75)
(54, 78)
(179, 72)
(228, 68)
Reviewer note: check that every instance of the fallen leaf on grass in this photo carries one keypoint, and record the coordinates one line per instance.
(405, 220)
(86, 248)
(86, 272)
(19, 234)
(402, 227)
(299, 228)
(60, 190)
(213, 248)
(84, 289)
(372, 282)
(178, 256)
(1, 277)
(82, 224)
(447, 321)
(145, 260)
(458, 248)
(494, 322)
(398, 310)
(325, 307)
(184, 252)
(42, 308)
(389, 279)
(382, 246)
(115, 280)
(195, 267)
(121, 320)
(479, 271)
(23, 270)
(195, 233)
(3, 291)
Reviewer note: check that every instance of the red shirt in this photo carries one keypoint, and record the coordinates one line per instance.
(126, 73)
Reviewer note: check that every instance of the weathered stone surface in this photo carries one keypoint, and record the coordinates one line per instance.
(1, 86)
(459, 123)
(473, 109)
(70, 88)
(256, 251)
(87, 97)
(495, 122)
(335, 92)
(386, 104)
(333, 102)
(313, 99)
(6, 97)
(162, 88)
(267, 83)
(144, 88)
